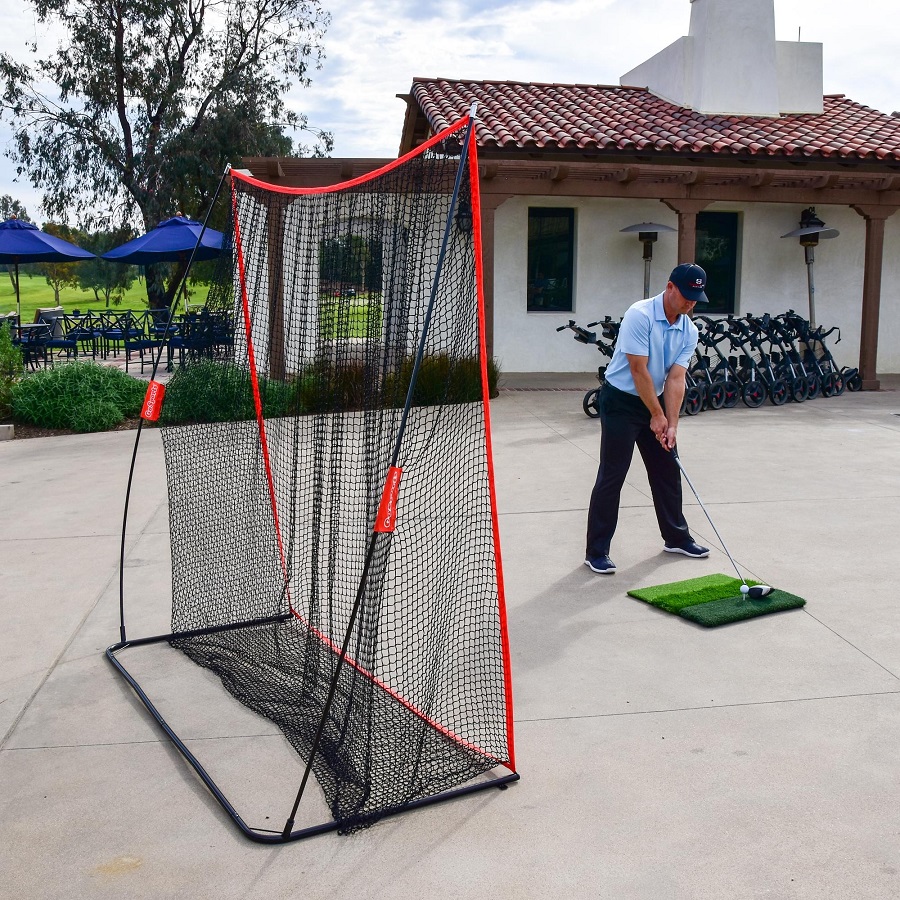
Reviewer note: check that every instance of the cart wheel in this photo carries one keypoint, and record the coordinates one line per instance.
(715, 395)
(732, 393)
(828, 384)
(590, 403)
(778, 392)
(693, 401)
(838, 384)
(853, 382)
(815, 386)
(754, 394)
(799, 389)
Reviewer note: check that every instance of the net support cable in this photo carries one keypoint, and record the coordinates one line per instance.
(357, 693)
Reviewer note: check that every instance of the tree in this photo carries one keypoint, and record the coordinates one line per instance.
(108, 280)
(59, 274)
(153, 98)
(350, 260)
(11, 208)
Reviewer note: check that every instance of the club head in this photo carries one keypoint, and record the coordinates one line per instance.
(759, 590)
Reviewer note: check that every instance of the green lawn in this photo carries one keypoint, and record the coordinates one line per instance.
(353, 320)
(35, 293)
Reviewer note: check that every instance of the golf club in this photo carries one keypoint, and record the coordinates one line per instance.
(758, 590)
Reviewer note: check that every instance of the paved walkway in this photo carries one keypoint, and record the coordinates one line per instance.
(659, 760)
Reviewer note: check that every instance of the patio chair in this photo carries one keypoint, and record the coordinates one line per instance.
(32, 341)
(142, 338)
(158, 323)
(63, 337)
(86, 329)
(115, 326)
(49, 315)
(194, 339)
(221, 332)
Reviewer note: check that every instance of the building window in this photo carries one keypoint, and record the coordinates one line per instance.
(551, 258)
(717, 252)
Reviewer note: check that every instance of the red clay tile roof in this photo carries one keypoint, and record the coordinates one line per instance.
(590, 118)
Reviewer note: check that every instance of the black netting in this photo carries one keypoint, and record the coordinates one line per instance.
(278, 519)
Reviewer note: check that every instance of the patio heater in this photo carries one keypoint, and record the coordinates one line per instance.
(647, 233)
(812, 229)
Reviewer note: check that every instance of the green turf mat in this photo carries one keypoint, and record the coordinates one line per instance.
(736, 609)
(679, 594)
(714, 600)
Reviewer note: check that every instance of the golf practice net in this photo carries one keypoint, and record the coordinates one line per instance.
(335, 556)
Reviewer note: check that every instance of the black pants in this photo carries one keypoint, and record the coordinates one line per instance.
(626, 422)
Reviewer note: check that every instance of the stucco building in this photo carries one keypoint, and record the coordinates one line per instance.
(724, 136)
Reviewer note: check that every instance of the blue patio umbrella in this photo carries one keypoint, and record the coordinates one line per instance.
(24, 242)
(173, 240)
(170, 241)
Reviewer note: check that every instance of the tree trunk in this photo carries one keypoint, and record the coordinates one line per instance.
(156, 289)
(172, 293)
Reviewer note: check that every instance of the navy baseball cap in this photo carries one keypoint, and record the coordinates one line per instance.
(690, 279)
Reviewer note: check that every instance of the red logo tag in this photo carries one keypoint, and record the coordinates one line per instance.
(387, 509)
(153, 401)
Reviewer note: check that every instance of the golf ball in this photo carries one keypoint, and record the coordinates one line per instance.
(745, 589)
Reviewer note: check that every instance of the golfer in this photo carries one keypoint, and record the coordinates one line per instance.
(640, 404)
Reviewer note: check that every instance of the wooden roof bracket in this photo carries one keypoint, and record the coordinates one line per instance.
(628, 174)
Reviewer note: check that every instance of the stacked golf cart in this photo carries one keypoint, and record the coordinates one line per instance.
(747, 358)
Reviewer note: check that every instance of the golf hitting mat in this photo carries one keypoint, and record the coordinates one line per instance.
(714, 600)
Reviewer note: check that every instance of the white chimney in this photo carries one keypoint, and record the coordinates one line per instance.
(731, 64)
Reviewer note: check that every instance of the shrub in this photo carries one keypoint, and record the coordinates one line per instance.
(71, 396)
(11, 369)
(99, 416)
(326, 388)
(207, 391)
(441, 379)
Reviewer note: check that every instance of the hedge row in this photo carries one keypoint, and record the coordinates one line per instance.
(88, 397)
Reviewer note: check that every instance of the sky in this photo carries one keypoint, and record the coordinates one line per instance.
(374, 48)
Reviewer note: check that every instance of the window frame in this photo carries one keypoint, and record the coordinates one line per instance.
(534, 267)
(722, 291)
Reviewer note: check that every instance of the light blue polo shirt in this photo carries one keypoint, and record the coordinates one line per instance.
(645, 331)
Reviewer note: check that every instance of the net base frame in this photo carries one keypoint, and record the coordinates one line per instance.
(263, 835)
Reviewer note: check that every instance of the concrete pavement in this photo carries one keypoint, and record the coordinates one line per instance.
(659, 760)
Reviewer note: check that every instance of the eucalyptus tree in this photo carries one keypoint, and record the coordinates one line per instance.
(134, 115)
(11, 207)
(108, 280)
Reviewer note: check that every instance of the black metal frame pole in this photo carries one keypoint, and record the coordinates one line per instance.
(140, 428)
(373, 540)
